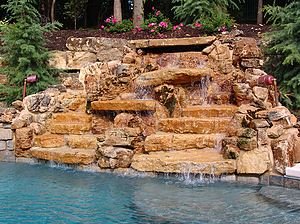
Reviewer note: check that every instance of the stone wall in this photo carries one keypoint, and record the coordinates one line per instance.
(124, 98)
(6, 134)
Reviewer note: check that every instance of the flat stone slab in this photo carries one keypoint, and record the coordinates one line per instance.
(194, 125)
(69, 128)
(209, 111)
(205, 161)
(155, 43)
(124, 105)
(171, 141)
(293, 171)
(64, 155)
(72, 117)
(172, 76)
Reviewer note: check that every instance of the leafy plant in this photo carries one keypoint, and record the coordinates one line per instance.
(157, 23)
(115, 26)
(210, 13)
(282, 50)
(24, 42)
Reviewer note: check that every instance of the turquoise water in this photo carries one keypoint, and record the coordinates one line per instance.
(41, 194)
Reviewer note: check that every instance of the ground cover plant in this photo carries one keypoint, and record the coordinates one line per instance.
(282, 50)
(25, 54)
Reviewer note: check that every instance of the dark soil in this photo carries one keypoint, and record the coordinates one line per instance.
(58, 39)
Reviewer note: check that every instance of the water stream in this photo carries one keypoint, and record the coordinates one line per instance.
(38, 193)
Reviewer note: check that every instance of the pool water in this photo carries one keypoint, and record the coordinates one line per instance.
(38, 193)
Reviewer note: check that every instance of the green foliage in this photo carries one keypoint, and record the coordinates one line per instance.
(24, 42)
(75, 9)
(282, 49)
(211, 14)
(115, 26)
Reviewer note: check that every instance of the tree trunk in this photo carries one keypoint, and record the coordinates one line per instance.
(260, 12)
(118, 10)
(52, 11)
(138, 11)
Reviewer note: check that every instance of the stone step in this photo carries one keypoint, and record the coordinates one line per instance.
(209, 111)
(69, 128)
(124, 105)
(204, 161)
(194, 125)
(171, 76)
(155, 43)
(64, 155)
(293, 171)
(72, 118)
(73, 141)
(171, 141)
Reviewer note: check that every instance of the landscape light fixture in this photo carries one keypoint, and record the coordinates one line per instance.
(268, 80)
(32, 78)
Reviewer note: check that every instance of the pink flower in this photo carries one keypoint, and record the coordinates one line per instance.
(102, 26)
(163, 24)
(155, 27)
(107, 20)
(152, 30)
(112, 16)
(219, 29)
(175, 27)
(199, 25)
(223, 27)
(157, 13)
(138, 28)
(152, 8)
(196, 24)
(180, 24)
(114, 20)
(139, 17)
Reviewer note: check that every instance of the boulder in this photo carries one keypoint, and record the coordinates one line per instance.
(256, 161)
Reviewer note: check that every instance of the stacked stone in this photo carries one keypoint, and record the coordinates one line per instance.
(262, 140)
(6, 134)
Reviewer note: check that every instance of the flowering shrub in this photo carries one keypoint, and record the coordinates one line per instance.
(157, 23)
(115, 26)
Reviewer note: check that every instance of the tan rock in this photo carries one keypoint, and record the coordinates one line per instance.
(18, 123)
(257, 161)
(284, 148)
(172, 76)
(49, 141)
(209, 111)
(82, 141)
(69, 128)
(72, 117)
(190, 161)
(158, 142)
(247, 144)
(7, 118)
(275, 131)
(101, 123)
(18, 105)
(261, 93)
(64, 155)
(124, 105)
(247, 48)
(78, 105)
(194, 125)
(111, 54)
(24, 137)
(149, 43)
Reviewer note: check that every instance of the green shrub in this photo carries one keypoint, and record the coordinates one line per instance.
(114, 26)
(211, 14)
(282, 49)
(157, 23)
(24, 42)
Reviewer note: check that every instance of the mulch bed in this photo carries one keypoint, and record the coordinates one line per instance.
(58, 39)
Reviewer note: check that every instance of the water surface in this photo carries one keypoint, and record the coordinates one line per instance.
(37, 193)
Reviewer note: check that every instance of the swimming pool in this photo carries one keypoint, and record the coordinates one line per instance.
(38, 193)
